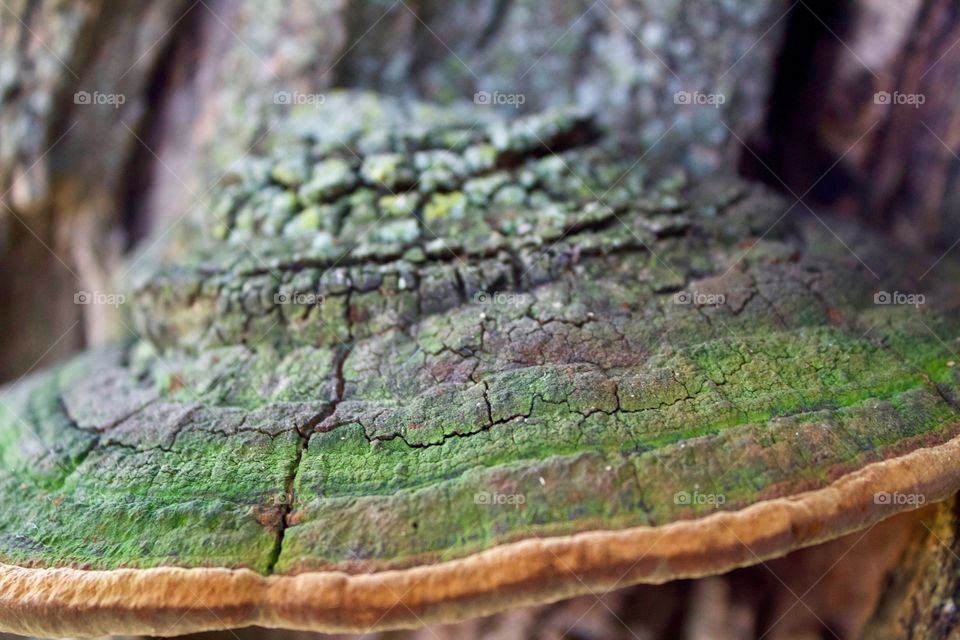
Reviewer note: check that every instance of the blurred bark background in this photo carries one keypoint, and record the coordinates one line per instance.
(865, 96)
(176, 90)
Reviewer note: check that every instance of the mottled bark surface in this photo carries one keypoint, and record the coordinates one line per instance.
(65, 166)
(921, 597)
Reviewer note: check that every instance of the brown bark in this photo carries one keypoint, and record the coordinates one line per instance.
(866, 117)
(921, 597)
(64, 165)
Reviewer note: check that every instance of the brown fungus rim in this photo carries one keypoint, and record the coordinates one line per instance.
(171, 601)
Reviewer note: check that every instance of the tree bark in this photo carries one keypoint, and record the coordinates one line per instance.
(863, 116)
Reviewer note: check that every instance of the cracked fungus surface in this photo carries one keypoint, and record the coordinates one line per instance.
(443, 340)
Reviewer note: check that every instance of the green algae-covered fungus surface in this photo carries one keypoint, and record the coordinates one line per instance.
(401, 336)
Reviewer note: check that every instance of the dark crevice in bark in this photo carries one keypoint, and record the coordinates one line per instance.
(498, 15)
(788, 145)
(80, 457)
(141, 163)
(944, 392)
(364, 23)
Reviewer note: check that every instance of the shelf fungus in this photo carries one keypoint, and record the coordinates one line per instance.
(414, 364)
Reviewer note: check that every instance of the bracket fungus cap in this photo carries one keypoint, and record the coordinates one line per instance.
(417, 364)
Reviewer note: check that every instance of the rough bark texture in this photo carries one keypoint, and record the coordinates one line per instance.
(65, 166)
(921, 597)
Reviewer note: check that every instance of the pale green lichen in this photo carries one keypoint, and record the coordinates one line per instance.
(387, 169)
(331, 178)
(443, 205)
(400, 205)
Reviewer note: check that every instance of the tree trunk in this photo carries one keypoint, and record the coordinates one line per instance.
(863, 115)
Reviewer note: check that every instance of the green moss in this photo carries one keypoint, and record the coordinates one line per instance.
(331, 178)
(104, 501)
(387, 169)
(443, 205)
(400, 205)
